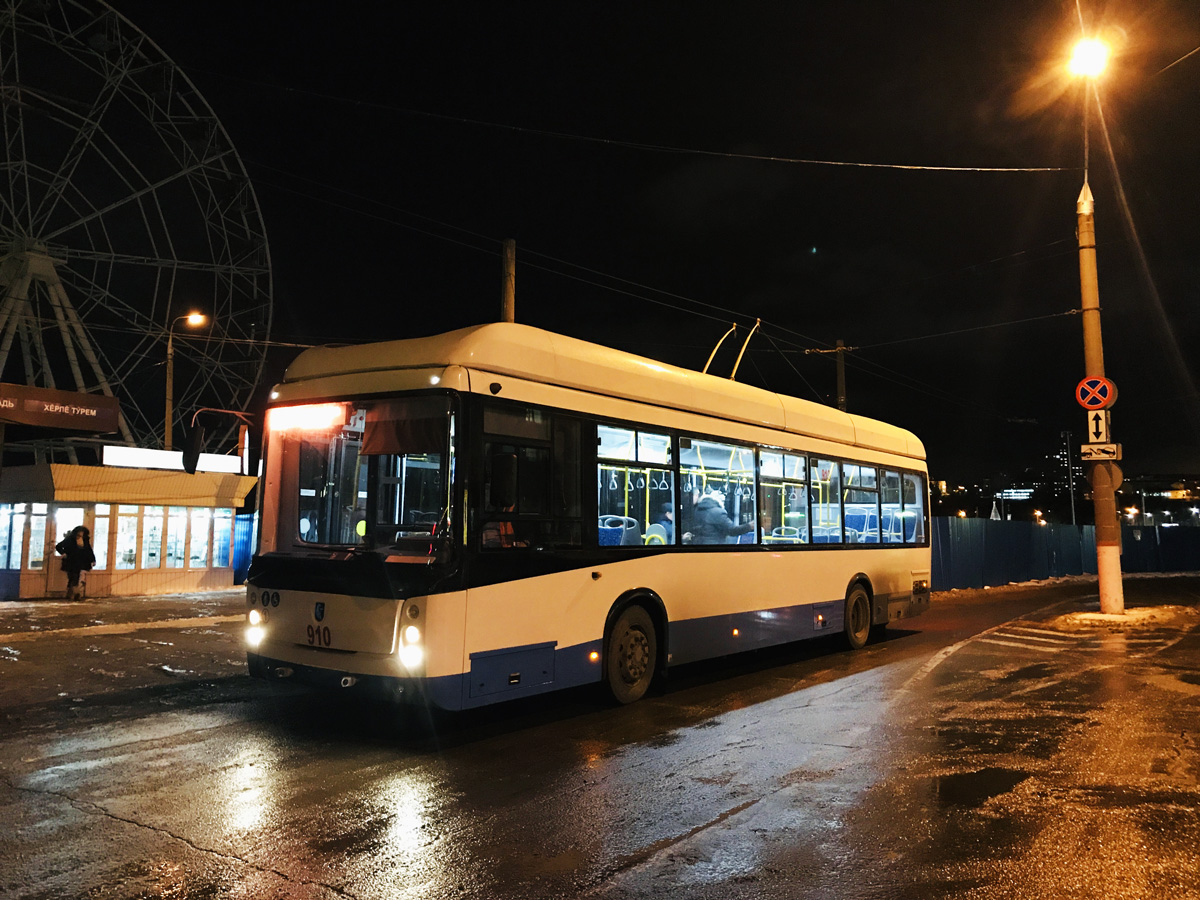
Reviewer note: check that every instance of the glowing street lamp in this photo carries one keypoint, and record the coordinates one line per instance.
(1089, 58)
(193, 320)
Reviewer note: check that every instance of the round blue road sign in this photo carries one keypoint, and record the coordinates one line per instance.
(1096, 392)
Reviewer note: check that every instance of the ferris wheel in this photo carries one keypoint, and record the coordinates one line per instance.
(123, 207)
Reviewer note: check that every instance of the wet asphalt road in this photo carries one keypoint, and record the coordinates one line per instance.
(1006, 744)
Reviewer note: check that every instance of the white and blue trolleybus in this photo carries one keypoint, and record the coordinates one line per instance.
(501, 511)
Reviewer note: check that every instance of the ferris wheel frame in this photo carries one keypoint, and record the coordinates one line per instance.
(123, 204)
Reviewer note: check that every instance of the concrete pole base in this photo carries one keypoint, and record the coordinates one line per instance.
(1112, 592)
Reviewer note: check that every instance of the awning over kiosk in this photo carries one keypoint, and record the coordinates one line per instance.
(108, 484)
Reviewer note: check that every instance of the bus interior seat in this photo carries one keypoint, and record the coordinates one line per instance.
(827, 534)
(786, 534)
(610, 536)
(748, 537)
(656, 534)
(630, 533)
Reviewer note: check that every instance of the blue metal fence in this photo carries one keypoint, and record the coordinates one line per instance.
(974, 553)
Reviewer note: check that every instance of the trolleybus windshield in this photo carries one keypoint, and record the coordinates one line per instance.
(370, 474)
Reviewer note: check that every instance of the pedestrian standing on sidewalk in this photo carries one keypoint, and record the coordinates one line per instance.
(76, 550)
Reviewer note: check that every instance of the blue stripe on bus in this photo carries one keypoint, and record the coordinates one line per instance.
(543, 667)
(695, 639)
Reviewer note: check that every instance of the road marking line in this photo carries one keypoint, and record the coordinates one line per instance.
(122, 628)
(1029, 637)
(1015, 644)
(1057, 634)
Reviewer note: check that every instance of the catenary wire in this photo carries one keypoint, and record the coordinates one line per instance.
(632, 145)
(726, 314)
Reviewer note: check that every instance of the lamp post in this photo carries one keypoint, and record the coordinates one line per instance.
(194, 320)
(1088, 61)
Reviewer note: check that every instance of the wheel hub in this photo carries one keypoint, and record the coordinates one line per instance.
(635, 656)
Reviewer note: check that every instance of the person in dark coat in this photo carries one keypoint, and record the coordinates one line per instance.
(666, 519)
(711, 523)
(78, 557)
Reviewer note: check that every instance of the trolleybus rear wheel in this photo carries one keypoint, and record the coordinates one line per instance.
(858, 617)
(630, 655)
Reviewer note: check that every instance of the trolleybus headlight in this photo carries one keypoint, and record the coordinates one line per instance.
(412, 634)
(411, 657)
(254, 635)
(257, 617)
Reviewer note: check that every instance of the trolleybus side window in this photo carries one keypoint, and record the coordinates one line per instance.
(531, 480)
(718, 502)
(567, 485)
(635, 487)
(861, 503)
(783, 497)
(903, 509)
(825, 479)
(890, 514)
(914, 509)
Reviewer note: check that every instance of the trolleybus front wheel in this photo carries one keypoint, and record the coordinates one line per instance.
(630, 655)
(858, 617)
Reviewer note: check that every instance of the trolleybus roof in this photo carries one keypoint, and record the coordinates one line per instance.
(522, 351)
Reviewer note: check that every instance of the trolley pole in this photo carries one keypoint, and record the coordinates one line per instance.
(841, 375)
(1104, 476)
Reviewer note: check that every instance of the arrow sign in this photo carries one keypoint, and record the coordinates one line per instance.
(1097, 427)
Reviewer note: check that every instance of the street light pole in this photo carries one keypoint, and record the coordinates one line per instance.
(1089, 60)
(1104, 475)
(195, 320)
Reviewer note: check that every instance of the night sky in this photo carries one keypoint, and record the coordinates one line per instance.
(393, 146)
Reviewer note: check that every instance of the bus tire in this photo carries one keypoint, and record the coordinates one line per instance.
(858, 617)
(630, 655)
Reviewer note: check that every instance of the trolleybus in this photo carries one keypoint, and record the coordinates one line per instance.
(501, 511)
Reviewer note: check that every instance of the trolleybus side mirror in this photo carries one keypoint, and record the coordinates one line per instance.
(503, 493)
(192, 449)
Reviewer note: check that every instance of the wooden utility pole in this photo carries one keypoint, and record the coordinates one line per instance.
(841, 375)
(508, 288)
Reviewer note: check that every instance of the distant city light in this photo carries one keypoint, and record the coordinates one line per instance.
(962, 513)
(1015, 494)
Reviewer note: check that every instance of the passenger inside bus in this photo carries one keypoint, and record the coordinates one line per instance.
(666, 520)
(498, 534)
(712, 524)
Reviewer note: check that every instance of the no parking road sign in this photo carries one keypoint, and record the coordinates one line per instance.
(1096, 392)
